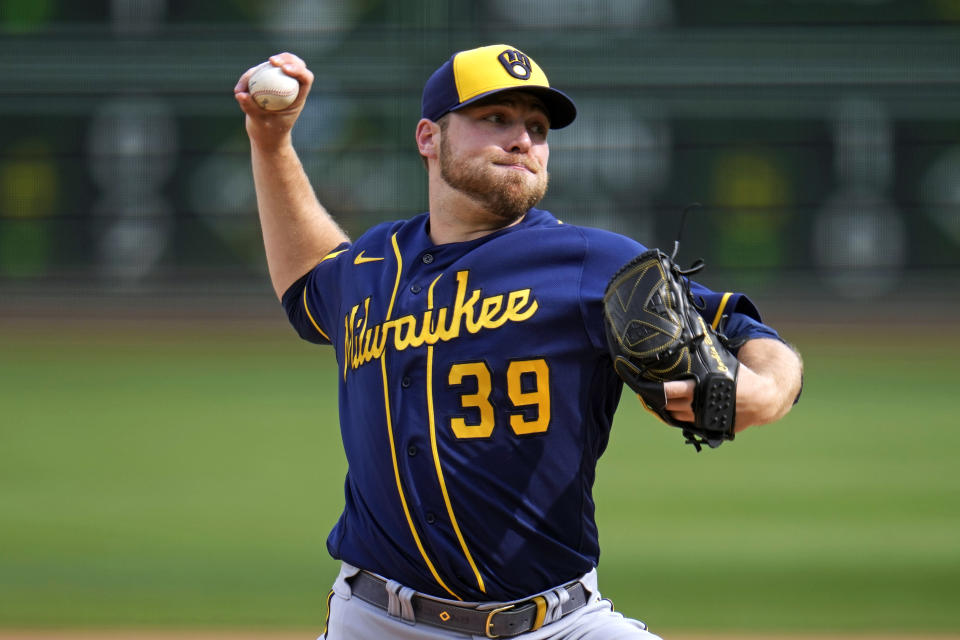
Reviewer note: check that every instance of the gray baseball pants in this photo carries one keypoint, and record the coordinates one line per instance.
(351, 618)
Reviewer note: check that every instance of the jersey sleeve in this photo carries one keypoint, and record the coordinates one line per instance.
(733, 315)
(604, 253)
(311, 302)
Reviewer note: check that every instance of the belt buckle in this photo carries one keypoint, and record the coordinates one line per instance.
(489, 624)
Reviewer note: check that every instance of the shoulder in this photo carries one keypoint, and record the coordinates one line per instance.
(593, 239)
(384, 232)
(604, 252)
(620, 246)
(599, 253)
(379, 239)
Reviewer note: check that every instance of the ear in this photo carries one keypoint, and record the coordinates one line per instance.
(428, 138)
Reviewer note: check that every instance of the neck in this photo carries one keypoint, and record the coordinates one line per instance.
(456, 217)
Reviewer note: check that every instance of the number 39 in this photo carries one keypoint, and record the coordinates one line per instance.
(531, 408)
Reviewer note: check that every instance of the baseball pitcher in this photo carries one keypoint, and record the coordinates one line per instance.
(482, 348)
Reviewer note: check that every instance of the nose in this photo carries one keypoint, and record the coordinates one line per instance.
(520, 141)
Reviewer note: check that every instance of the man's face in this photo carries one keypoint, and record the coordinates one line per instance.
(496, 152)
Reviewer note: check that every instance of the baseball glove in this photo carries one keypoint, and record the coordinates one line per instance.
(656, 333)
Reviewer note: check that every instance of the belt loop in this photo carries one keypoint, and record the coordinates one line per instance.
(342, 584)
(555, 600)
(398, 601)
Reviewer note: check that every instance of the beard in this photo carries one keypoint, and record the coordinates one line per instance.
(506, 194)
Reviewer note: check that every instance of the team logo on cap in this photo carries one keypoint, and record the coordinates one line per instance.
(516, 64)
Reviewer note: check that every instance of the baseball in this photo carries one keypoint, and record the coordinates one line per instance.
(272, 89)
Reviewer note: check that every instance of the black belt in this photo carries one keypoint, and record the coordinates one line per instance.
(500, 622)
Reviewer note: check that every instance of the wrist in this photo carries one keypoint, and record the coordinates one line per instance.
(268, 137)
(757, 399)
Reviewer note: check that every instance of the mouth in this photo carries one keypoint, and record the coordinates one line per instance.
(518, 166)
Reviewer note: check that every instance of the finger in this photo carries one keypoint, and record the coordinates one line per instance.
(280, 59)
(246, 102)
(679, 406)
(293, 66)
(679, 394)
(679, 390)
(243, 82)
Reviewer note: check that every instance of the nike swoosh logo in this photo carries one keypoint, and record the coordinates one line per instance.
(360, 259)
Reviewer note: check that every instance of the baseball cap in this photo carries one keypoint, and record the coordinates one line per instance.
(477, 73)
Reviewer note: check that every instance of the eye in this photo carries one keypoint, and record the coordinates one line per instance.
(496, 117)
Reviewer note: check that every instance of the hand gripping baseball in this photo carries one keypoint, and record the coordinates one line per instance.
(655, 334)
(271, 127)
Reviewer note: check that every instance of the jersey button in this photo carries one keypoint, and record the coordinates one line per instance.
(427, 258)
(405, 382)
(415, 288)
(411, 450)
(431, 518)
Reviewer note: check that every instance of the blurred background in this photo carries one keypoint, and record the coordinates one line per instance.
(822, 138)
(160, 438)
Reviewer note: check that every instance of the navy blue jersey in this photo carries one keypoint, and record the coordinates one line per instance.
(476, 395)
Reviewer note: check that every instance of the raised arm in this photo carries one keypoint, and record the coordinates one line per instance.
(297, 230)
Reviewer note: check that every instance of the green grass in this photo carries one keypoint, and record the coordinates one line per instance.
(844, 516)
(180, 478)
(188, 477)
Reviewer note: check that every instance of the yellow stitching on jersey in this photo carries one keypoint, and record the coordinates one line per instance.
(309, 315)
(430, 291)
(326, 620)
(396, 284)
(396, 476)
(443, 484)
(333, 254)
(438, 322)
(719, 316)
(393, 446)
